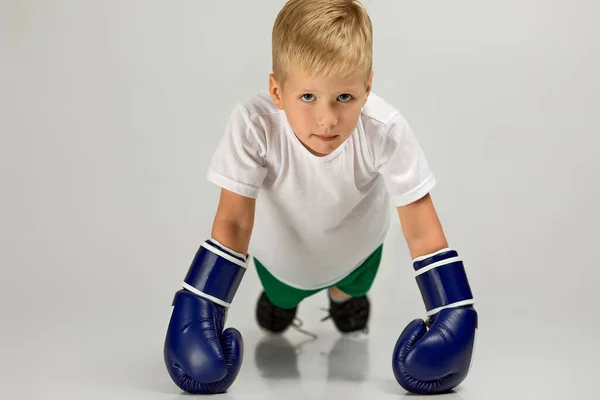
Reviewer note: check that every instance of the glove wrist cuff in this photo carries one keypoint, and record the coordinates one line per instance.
(442, 281)
(216, 273)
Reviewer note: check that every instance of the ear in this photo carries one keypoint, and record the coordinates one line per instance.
(369, 86)
(275, 91)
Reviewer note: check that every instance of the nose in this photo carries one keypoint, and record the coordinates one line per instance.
(326, 117)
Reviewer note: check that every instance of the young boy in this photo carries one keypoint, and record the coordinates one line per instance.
(308, 171)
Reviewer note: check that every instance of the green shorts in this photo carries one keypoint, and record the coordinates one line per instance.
(356, 284)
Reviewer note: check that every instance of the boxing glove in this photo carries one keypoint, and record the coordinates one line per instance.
(200, 356)
(435, 356)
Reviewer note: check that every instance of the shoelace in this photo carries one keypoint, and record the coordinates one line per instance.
(297, 324)
(328, 316)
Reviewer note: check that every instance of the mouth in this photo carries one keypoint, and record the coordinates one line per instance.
(326, 138)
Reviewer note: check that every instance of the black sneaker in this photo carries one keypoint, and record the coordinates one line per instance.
(273, 318)
(351, 315)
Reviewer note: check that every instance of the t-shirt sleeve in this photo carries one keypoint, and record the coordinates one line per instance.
(238, 163)
(402, 163)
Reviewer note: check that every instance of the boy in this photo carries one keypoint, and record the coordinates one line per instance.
(307, 174)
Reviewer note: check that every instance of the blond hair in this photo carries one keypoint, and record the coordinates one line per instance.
(322, 37)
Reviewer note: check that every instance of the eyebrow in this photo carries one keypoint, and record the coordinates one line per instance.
(344, 90)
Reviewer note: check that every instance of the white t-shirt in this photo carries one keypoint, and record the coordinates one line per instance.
(317, 218)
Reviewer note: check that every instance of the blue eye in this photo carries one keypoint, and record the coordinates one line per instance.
(309, 98)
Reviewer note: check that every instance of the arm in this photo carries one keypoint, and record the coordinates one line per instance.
(421, 227)
(435, 356)
(201, 356)
(234, 221)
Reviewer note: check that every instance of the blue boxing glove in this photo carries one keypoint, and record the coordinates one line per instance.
(436, 360)
(200, 356)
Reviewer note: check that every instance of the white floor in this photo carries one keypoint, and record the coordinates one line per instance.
(85, 347)
(110, 112)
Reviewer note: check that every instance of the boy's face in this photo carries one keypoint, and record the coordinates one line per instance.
(322, 111)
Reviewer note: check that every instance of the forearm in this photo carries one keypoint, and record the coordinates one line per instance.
(422, 227)
(232, 235)
(428, 242)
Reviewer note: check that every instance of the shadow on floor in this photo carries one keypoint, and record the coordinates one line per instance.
(348, 360)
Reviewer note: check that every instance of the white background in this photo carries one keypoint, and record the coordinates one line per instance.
(110, 111)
